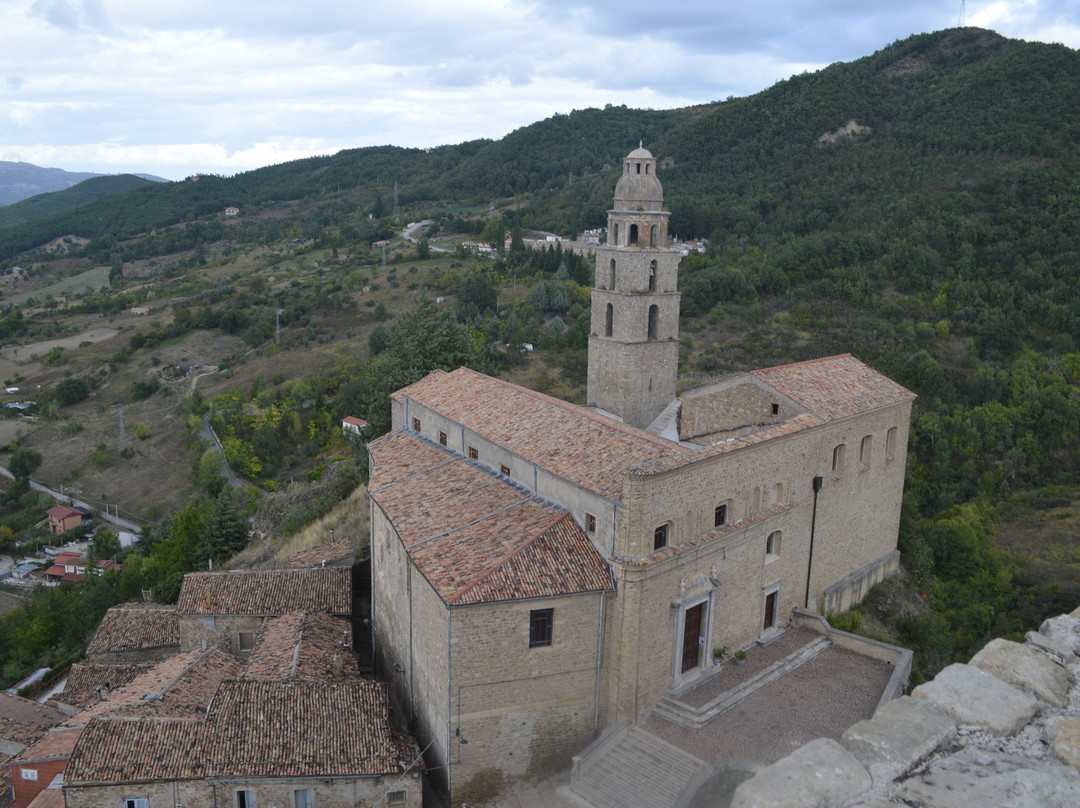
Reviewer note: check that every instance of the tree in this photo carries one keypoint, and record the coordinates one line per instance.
(71, 391)
(105, 544)
(225, 532)
(24, 462)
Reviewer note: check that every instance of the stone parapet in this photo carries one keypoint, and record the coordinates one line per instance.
(1003, 730)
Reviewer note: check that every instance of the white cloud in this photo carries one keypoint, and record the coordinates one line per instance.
(201, 86)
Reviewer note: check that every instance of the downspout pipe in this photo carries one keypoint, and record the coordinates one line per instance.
(813, 524)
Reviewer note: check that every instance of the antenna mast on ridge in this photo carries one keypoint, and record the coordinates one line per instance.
(963, 10)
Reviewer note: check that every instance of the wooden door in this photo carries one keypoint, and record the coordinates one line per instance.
(770, 611)
(691, 645)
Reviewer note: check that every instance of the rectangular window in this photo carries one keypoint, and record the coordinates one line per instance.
(302, 798)
(775, 408)
(442, 438)
(866, 448)
(540, 627)
(473, 454)
(245, 799)
(395, 798)
(29, 774)
(590, 523)
(416, 424)
(247, 640)
(136, 802)
(659, 539)
(720, 516)
(504, 471)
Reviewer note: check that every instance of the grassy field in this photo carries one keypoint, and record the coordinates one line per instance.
(90, 280)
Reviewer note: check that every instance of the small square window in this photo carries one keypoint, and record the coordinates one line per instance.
(540, 627)
(442, 438)
(720, 515)
(590, 523)
(775, 408)
(660, 537)
(504, 471)
(395, 798)
(29, 774)
(473, 454)
(247, 640)
(245, 799)
(416, 424)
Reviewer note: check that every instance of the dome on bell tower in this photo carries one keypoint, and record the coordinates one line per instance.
(638, 188)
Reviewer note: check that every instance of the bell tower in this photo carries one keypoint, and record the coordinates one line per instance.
(634, 345)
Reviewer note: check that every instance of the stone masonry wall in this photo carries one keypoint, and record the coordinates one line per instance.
(709, 413)
(1002, 730)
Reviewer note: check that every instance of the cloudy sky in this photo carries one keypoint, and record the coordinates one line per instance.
(174, 88)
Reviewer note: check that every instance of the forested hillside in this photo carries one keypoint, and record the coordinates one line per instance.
(919, 208)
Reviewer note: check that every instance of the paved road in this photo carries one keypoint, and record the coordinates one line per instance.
(206, 433)
(63, 496)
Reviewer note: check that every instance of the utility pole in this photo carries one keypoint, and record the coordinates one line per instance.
(122, 445)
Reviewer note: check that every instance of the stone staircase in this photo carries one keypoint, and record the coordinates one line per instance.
(631, 768)
(671, 708)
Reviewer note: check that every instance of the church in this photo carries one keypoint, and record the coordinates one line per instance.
(543, 570)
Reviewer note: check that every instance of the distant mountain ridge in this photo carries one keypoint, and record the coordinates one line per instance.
(20, 181)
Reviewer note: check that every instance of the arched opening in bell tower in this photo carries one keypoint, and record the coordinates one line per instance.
(652, 276)
(609, 320)
(611, 275)
(615, 235)
(633, 234)
(654, 321)
(652, 236)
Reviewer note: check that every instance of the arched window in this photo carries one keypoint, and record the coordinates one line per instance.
(778, 492)
(609, 320)
(838, 460)
(755, 500)
(890, 444)
(866, 449)
(638, 167)
(615, 234)
(611, 275)
(652, 276)
(654, 321)
(772, 546)
(652, 236)
(633, 234)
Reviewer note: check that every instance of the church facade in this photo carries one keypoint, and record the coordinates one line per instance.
(542, 570)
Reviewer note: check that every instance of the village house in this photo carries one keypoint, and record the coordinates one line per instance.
(34, 768)
(225, 609)
(63, 518)
(135, 633)
(351, 425)
(542, 571)
(72, 566)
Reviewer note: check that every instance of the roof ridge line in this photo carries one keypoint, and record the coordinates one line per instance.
(581, 409)
(480, 578)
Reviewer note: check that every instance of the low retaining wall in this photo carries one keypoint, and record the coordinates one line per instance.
(1003, 729)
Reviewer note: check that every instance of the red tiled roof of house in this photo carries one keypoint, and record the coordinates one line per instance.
(267, 592)
(23, 721)
(305, 730)
(131, 626)
(575, 443)
(48, 798)
(180, 686)
(63, 512)
(305, 647)
(124, 750)
(352, 420)
(85, 678)
(474, 536)
(835, 386)
(329, 551)
(53, 745)
(253, 729)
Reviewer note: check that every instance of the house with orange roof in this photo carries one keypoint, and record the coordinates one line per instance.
(63, 518)
(542, 571)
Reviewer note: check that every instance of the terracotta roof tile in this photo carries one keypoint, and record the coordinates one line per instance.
(131, 626)
(575, 443)
(476, 537)
(24, 721)
(53, 745)
(48, 798)
(267, 592)
(124, 750)
(253, 729)
(85, 678)
(304, 646)
(835, 386)
(182, 685)
(336, 551)
(5, 775)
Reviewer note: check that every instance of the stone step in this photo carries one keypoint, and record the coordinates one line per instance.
(686, 715)
(641, 771)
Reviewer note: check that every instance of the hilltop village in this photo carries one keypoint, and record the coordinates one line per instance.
(540, 573)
